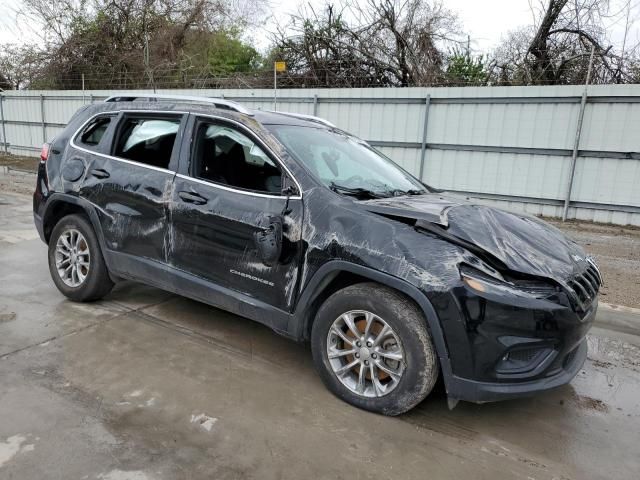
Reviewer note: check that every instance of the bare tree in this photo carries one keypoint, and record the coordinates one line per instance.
(557, 47)
(377, 42)
(19, 65)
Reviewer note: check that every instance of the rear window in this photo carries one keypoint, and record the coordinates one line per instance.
(92, 134)
(147, 140)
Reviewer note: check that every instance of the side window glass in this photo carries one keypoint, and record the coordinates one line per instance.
(147, 140)
(91, 135)
(224, 155)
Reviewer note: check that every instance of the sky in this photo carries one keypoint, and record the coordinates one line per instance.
(485, 21)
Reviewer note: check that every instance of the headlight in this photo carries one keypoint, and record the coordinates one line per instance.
(480, 280)
(487, 281)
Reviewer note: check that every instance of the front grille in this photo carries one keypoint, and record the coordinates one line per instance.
(523, 361)
(584, 287)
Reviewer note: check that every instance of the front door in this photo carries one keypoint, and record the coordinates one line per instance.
(229, 194)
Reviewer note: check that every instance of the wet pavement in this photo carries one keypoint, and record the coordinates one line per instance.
(145, 385)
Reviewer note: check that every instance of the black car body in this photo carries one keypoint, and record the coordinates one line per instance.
(507, 299)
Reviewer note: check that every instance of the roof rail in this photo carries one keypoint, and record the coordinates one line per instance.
(218, 102)
(311, 118)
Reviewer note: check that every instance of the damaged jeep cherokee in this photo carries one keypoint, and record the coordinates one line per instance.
(291, 222)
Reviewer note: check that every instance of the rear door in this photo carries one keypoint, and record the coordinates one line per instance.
(128, 182)
(228, 191)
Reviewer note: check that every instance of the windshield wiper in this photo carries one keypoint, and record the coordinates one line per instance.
(356, 192)
(398, 192)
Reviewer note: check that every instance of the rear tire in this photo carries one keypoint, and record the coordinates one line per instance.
(394, 363)
(75, 260)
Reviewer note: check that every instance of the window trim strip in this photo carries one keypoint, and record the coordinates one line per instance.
(73, 144)
(239, 125)
(262, 145)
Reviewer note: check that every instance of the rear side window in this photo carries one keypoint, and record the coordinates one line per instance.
(147, 140)
(92, 134)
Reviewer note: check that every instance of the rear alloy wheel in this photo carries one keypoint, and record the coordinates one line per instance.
(72, 257)
(372, 348)
(75, 260)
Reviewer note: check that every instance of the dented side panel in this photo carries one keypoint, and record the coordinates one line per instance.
(216, 241)
(131, 206)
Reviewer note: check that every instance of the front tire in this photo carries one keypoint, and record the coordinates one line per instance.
(75, 260)
(372, 349)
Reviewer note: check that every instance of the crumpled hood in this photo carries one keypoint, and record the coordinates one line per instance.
(521, 242)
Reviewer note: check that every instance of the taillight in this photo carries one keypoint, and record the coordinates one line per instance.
(44, 153)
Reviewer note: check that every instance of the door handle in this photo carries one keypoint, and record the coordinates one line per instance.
(99, 173)
(190, 197)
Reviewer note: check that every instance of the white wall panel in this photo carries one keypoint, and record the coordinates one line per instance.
(484, 120)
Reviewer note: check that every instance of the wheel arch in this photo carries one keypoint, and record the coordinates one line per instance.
(337, 274)
(59, 205)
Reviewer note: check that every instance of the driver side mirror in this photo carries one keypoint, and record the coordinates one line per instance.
(269, 241)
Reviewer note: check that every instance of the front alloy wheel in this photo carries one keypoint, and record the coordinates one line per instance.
(365, 353)
(372, 348)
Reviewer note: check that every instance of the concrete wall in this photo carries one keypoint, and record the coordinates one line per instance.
(511, 146)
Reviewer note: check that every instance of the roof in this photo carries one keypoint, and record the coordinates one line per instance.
(221, 105)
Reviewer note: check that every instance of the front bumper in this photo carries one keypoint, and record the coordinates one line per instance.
(502, 346)
(480, 392)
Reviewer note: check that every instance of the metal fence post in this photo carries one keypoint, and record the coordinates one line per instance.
(574, 156)
(423, 147)
(576, 143)
(44, 125)
(4, 132)
(91, 98)
(315, 105)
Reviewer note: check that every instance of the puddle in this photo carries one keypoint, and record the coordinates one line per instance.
(12, 446)
(124, 475)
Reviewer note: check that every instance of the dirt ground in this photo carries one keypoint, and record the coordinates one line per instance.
(616, 249)
(20, 177)
(29, 164)
(617, 252)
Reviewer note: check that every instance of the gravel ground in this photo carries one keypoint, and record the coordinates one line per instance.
(617, 252)
(29, 164)
(615, 248)
(17, 173)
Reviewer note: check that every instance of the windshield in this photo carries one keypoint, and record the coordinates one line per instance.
(344, 163)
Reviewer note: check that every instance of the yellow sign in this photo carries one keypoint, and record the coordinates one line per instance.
(280, 66)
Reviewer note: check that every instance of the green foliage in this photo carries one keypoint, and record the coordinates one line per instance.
(137, 44)
(465, 69)
(227, 53)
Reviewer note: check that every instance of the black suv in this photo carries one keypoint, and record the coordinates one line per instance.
(291, 222)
